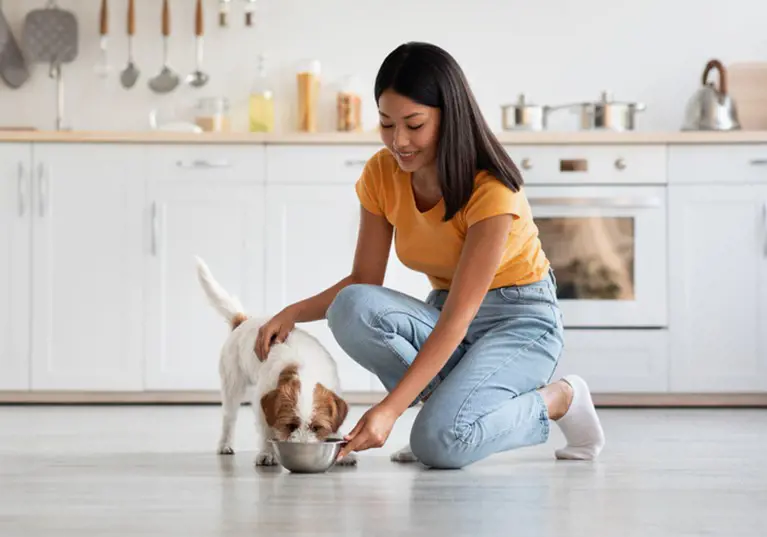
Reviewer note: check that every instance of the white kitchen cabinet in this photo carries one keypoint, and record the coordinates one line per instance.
(312, 235)
(208, 203)
(15, 264)
(718, 287)
(87, 250)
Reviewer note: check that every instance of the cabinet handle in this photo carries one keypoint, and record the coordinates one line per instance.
(764, 226)
(758, 161)
(202, 164)
(155, 230)
(22, 190)
(42, 184)
(355, 163)
(616, 202)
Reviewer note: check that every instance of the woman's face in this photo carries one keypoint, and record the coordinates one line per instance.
(409, 130)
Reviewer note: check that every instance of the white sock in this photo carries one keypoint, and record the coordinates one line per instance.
(580, 424)
(403, 455)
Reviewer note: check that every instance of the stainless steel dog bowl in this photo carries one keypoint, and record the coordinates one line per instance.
(307, 458)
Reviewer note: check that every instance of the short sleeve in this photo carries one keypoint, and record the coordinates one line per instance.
(368, 187)
(492, 198)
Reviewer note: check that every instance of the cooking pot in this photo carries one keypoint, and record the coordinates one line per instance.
(710, 108)
(608, 114)
(522, 115)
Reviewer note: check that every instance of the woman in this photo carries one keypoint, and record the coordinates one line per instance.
(482, 348)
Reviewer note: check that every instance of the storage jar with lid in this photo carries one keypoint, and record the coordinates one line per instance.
(212, 114)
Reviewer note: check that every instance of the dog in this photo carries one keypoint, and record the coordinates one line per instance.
(293, 392)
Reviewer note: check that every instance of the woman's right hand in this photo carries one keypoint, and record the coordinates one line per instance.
(274, 330)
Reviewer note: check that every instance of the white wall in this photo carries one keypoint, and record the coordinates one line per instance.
(555, 51)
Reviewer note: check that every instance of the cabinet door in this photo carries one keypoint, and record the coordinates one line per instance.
(718, 298)
(617, 361)
(310, 246)
(222, 222)
(15, 286)
(87, 267)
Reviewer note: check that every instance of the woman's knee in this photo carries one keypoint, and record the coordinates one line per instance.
(350, 312)
(435, 441)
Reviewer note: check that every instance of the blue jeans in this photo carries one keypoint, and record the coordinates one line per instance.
(484, 400)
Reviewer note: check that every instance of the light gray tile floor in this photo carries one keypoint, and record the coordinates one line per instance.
(119, 471)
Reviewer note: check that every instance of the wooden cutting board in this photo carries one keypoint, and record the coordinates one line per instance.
(747, 84)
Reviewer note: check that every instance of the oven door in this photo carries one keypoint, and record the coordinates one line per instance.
(607, 246)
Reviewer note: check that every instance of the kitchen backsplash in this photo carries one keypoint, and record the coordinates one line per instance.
(652, 51)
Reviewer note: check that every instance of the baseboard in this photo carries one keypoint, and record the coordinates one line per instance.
(617, 400)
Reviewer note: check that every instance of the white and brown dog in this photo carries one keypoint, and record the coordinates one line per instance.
(293, 392)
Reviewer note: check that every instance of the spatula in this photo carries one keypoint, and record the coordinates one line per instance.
(50, 36)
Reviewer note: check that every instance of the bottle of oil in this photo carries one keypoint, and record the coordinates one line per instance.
(261, 109)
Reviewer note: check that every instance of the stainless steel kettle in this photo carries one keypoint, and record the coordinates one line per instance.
(711, 108)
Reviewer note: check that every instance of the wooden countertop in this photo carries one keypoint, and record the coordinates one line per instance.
(372, 137)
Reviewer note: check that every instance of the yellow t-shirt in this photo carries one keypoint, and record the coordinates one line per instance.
(424, 243)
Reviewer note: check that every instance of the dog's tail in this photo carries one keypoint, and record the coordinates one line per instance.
(226, 305)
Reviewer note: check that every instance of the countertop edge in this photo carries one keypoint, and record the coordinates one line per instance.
(372, 137)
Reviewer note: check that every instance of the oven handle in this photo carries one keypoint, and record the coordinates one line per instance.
(616, 202)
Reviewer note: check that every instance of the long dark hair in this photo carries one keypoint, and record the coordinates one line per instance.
(430, 76)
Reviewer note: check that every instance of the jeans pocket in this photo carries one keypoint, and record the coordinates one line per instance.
(532, 293)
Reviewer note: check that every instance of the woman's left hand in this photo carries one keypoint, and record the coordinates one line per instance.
(371, 430)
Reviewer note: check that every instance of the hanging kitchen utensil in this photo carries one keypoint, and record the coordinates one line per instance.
(50, 35)
(166, 81)
(223, 12)
(711, 108)
(13, 67)
(197, 78)
(130, 74)
(103, 68)
(250, 12)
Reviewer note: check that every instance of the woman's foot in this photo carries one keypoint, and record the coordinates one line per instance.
(403, 455)
(570, 405)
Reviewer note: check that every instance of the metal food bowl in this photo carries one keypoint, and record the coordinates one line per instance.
(306, 457)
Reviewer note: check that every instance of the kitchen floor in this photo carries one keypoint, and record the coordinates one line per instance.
(142, 470)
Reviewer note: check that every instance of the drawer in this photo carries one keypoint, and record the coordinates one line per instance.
(208, 162)
(720, 164)
(587, 164)
(317, 164)
(617, 361)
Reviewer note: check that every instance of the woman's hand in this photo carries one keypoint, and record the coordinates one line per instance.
(275, 329)
(371, 431)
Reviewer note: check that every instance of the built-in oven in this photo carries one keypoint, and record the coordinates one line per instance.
(607, 246)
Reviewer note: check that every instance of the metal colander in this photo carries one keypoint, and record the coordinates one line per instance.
(50, 35)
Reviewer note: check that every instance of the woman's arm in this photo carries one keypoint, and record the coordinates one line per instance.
(477, 266)
(370, 258)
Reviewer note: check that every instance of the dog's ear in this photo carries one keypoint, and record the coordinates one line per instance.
(330, 409)
(269, 406)
(341, 410)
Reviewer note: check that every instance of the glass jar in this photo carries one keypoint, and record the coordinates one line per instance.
(349, 106)
(308, 81)
(213, 114)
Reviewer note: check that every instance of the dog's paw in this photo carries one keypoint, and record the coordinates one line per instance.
(404, 455)
(266, 458)
(349, 460)
(225, 450)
